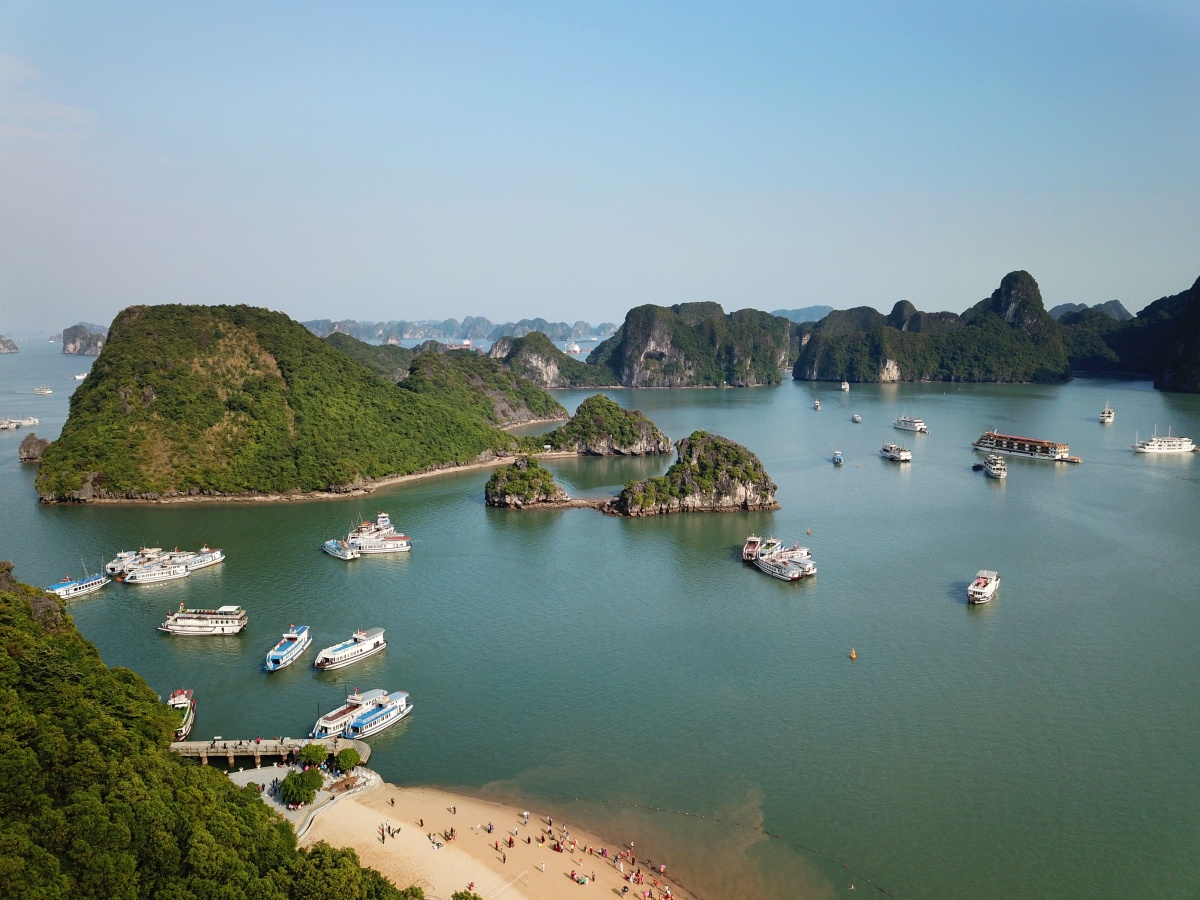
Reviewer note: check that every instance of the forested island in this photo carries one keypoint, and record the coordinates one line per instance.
(7, 345)
(1008, 337)
(601, 427)
(95, 805)
(472, 328)
(234, 401)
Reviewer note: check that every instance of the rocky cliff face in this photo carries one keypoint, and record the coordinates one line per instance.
(80, 341)
(601, 427)
(1181, 363)
(535, 357)
(7, 345)
(696, 345)
(713, 474)
(32, 448)
(1018, 301)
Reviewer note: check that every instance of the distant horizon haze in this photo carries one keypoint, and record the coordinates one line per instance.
(403, 161)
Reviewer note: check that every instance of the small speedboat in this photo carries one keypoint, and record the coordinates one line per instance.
(837, 458)
(817, 405)
(845, 385)
(856, 419)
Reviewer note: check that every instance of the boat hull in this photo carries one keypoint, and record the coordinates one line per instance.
(292, 654)
(383, 722)
(328, 665)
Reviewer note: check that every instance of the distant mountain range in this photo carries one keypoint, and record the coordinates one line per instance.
(474, 328)
(804, 314)
(1112, 308)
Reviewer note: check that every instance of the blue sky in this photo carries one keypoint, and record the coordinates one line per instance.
(393, 160)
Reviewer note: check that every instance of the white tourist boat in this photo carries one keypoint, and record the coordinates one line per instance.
(222, 620)
(910, 423)
(294, 642)
(856, 419)
(360, 645)
(389, 709)
(777, 566)
(379, 536)
(838, 459)
(895, 453)
(201, 559)
(1034, 448)
(817, 405)
(340, 549)
(43, 389)
(127, 561)
(183, 701)
(79, 377)
(1107, 415)
(751, 547)
(774, 547)
(995, 467)
(76, 587)
(1168, 444)
(334, 723)
(155, 573)
(984, 587)
(845, 385)
(27, 422)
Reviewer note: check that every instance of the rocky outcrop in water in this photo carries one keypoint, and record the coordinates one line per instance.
(713, 474)
(535, 357)
(32, 448)
(81, 341)
(523, 485)
(600, 427)
(7, 345)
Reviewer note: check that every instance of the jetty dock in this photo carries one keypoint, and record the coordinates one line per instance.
(271, 749)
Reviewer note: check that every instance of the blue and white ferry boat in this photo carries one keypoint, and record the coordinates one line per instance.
(76, 587)
(389, 709)
(294, 642)
(335, 722)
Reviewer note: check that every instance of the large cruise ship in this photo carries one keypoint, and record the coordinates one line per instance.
(1168, 444)
(379, 536)
(909, 423)
(1034, 448)
(361, 645)
(294, 642)
(389, 709)
(222, 620)
(895, 453)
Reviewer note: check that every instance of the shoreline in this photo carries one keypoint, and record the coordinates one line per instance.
(417, 851)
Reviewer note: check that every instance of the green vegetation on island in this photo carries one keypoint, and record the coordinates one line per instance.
(521, 484)
(231, 400)
(468, 380)
(7, 345)
(389, 361)
(533, 356)
(95, 807)
(696, 345)
(712, 474)
(601, 427)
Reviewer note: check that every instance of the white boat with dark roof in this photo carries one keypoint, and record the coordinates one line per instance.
(895, 453)
(389, 709)
(183, 701)
(294, 642)
(1107, 415)
(222, 620)
(1034, 448)
(76, 587)
(360, 645)
(1168, 444)
(984, 587)
(910, 423)
(335, 722)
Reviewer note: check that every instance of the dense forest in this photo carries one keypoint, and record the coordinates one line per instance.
(602, 427)
(94, 804)
(1008, 337)
(235, 399)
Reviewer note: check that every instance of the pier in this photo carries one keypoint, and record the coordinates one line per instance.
(271, 749)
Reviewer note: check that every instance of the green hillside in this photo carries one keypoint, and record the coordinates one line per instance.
(95, 807)
(388, 361)
(235, 399)
(468, 380)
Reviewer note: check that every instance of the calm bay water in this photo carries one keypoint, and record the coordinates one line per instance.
(1043, 745)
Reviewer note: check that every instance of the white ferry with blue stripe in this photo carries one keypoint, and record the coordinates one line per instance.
(360, 645)
(389, 709)
(334, 723)
(76, 587)
(294, 642)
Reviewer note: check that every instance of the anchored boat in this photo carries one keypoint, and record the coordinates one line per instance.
(183, 701)
(984, 587)
(1034, 448)
(389, 709)
(910, 423)
(1168, 444)
(361, 645)
(895, 453)
(335, 722)
(76, 587)
(222, 620)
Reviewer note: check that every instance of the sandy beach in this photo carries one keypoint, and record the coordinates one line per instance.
(418, 851)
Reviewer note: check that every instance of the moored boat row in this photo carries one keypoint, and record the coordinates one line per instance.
(363, 714)
(149, 565)
(771, 557)
(369, 538)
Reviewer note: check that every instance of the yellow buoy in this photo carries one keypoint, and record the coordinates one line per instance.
(853, 655)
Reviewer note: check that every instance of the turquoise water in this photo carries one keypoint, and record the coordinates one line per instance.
(1042, 745)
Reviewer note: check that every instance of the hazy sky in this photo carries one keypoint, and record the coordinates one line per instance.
(570, 160)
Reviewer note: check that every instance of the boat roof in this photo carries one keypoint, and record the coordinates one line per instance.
(987, 573)
(1014, 437)
(367, 696)
(368, 634)
(229, 609)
